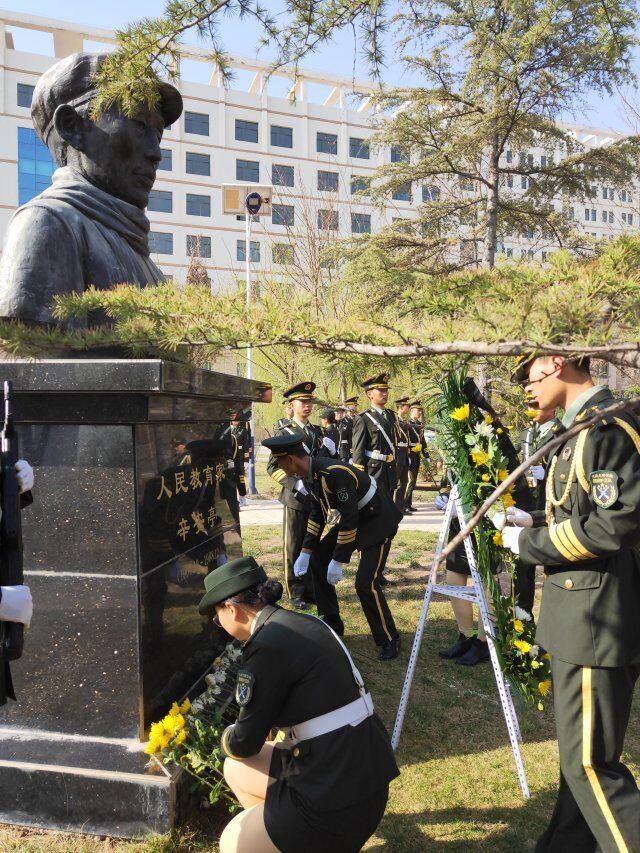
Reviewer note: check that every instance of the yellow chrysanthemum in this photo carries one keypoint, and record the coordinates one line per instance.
(522, 646)
(497, 539)
(480, 457)
(461, 413)
(502, 475)
(530, 413)
(544, 686)
(535, 664)
(488, 419)
(540, 706)
(486, 478)
(173, 724)
(499, 430)
(175, 710)
(507, 501)
(180, 737)
(152, 747)
(546, 656)
(518, 626)
(185, 707)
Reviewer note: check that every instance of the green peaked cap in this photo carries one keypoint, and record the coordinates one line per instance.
(229, 580)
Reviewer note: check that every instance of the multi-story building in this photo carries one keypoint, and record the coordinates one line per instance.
(310, 142)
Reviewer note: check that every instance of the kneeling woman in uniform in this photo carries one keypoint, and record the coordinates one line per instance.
(324, 788)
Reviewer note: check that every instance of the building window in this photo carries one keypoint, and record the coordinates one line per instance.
(506, 181)
(360, 185)
(398, 155)
(281, 176)
(546, 162)
(25, 94)
(246, 131)
(160, 243)
(281, 136)
(589, 214)
(629, 218)
(328, 220)
(610, 217)
(326, 143)
(196, 123)
(402, 193)
(198, 246)
(545, 255)
(166, 164)
(623, 195)
(35, 165)
(524, 182)
(254, 252)
(605, 217)
(160, 201)
(248, 170)
(430, 193)
(572, 214)
(198, 164)
(328, 182)
(282, 253)
(361, 223)
(198, 205)
(282, 214)
(509, 156)
(359, 148)
(509, 253)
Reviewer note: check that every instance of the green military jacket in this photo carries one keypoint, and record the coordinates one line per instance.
(590, 612)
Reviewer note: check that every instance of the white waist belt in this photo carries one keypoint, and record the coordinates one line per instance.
(375, 454)
(230, 464)
(364, 500)
(353, 714)
(402, 444)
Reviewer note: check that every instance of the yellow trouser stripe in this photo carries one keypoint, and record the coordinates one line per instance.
(284, 553)
(577, 545)
(375, 592)
(562, 548)
(596, 787)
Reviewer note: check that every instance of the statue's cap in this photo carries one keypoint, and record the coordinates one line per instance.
(73, 81)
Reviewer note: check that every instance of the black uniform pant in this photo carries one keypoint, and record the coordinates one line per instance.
(598, 805)
(524, 585)
(412, 479)
(372, 598)
(294, 527)
(403, 479)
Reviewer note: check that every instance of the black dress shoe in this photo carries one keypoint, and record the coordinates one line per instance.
(459, 648)
(386, 582)
(412, 509)
(390, 650)
(335, 623)
(478, 653)
(299, 603)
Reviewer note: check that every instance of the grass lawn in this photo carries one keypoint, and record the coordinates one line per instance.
(458, 790)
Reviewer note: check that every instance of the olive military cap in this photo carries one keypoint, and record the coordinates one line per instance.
(282, 445)
(380, 381)
(229, 580)
(301, 391)
(73, 81)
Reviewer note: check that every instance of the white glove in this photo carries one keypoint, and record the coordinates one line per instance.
(537, 472)
(246, 466)
(301, 565)
(334, 572)
(16, 604)
(510, 537)
(499, 520)
(330, 444)
(300, 487)
(513, 515)
(441, 501)
(25, 475)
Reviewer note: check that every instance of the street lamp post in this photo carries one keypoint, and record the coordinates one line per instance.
(252, 204)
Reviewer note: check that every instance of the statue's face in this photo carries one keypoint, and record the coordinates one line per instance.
(119, 154)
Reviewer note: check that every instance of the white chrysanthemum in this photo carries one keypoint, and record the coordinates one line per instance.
(523, 615)
(534, 651)
(485, 430)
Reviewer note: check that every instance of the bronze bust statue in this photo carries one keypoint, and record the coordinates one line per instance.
(89, 227)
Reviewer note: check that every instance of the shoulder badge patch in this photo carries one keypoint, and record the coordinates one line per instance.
(244, 687)
(342, 495)
(604, 488)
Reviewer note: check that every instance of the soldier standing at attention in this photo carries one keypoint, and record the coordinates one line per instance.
(367, 521)
(285, 420)
(417, 450)
(346, 428)
(590, 612)
(375, 432)
(294, 495)
(402, 454)
(329, 429)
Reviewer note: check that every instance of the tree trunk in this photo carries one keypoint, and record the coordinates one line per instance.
(343, 387)
(491, 232)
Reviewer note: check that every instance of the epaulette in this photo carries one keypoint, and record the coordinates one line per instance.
(593, 410)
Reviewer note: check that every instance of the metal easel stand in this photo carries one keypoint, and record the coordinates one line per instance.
(476, 595)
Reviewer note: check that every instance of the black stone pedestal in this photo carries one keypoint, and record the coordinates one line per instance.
(125, 525)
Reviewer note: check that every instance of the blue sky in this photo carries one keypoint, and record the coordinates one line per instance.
(340, 57)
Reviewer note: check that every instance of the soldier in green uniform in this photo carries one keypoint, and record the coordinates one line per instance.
(360, 515)
(285, 420)
(375, 435)
(293, 494)
(241, 437)
(417, 450)
(346, 428)
(330, 430)
(402, 454)
(326, 785)
(590, 609)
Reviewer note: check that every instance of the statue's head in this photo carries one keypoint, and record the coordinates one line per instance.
(115, 153)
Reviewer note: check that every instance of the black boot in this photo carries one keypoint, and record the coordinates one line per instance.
(478, 653)
(297, 596)
(390, 650)
(459, 648)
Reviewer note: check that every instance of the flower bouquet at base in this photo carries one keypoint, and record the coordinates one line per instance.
(189, 735)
